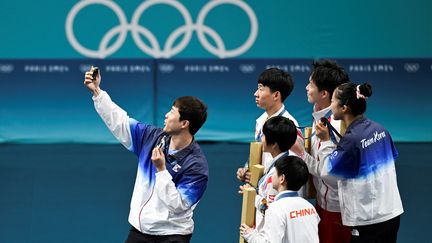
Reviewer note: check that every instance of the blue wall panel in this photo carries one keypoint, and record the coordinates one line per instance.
(45, 101)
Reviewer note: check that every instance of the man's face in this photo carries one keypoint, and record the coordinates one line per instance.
(172, 123)
(264, 98)
(313, 94)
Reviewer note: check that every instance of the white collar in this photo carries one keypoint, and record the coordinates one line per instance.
(282, 193)
(274, 160)
(279, 155)
(321, 113)
(264, 116)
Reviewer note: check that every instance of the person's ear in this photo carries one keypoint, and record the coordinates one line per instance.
(345, 108)
(185, 123)
(325, 94)
(282, 180)
(276, 95)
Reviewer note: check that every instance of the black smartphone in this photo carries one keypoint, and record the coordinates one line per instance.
(95, 73)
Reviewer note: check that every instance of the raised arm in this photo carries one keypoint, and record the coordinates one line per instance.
(115, 118)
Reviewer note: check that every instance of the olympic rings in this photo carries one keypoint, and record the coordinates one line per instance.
(155, 49)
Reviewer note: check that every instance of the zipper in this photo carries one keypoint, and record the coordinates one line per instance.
(142, 207)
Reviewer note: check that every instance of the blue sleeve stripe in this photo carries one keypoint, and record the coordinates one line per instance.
(192, 193)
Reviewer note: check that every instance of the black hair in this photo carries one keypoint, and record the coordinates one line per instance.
(277, 80)
(280, 130)
(347, 95)
(193, 110)
(295, 170)
(327, 75)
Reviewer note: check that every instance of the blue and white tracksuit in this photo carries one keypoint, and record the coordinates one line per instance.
(162, 202)
(364, 163)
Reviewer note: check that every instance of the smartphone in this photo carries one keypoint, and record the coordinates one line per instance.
(95, 73)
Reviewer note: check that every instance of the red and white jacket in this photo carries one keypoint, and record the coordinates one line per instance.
(327, 188)
(265, 190)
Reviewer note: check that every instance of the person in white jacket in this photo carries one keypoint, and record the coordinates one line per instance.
(279, 134)
(274, 86)
(290, 218)
(172, 170)
(325, 76)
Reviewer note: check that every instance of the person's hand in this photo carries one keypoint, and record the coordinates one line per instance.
(92, 85)
(158, 159)
(298, 149)
(243, 187)
(322, 131)
(245, 230)
(243, 175)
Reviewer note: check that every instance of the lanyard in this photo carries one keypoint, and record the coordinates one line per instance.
(269, 169)
(327, 116)
(287, 194)
(332, 130)
(260, 134)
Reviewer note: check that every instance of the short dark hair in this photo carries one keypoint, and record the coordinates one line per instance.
(295, 170)
(193, 110)
(280, 130)
(327, 75)
(347, 95)
(277, 80)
